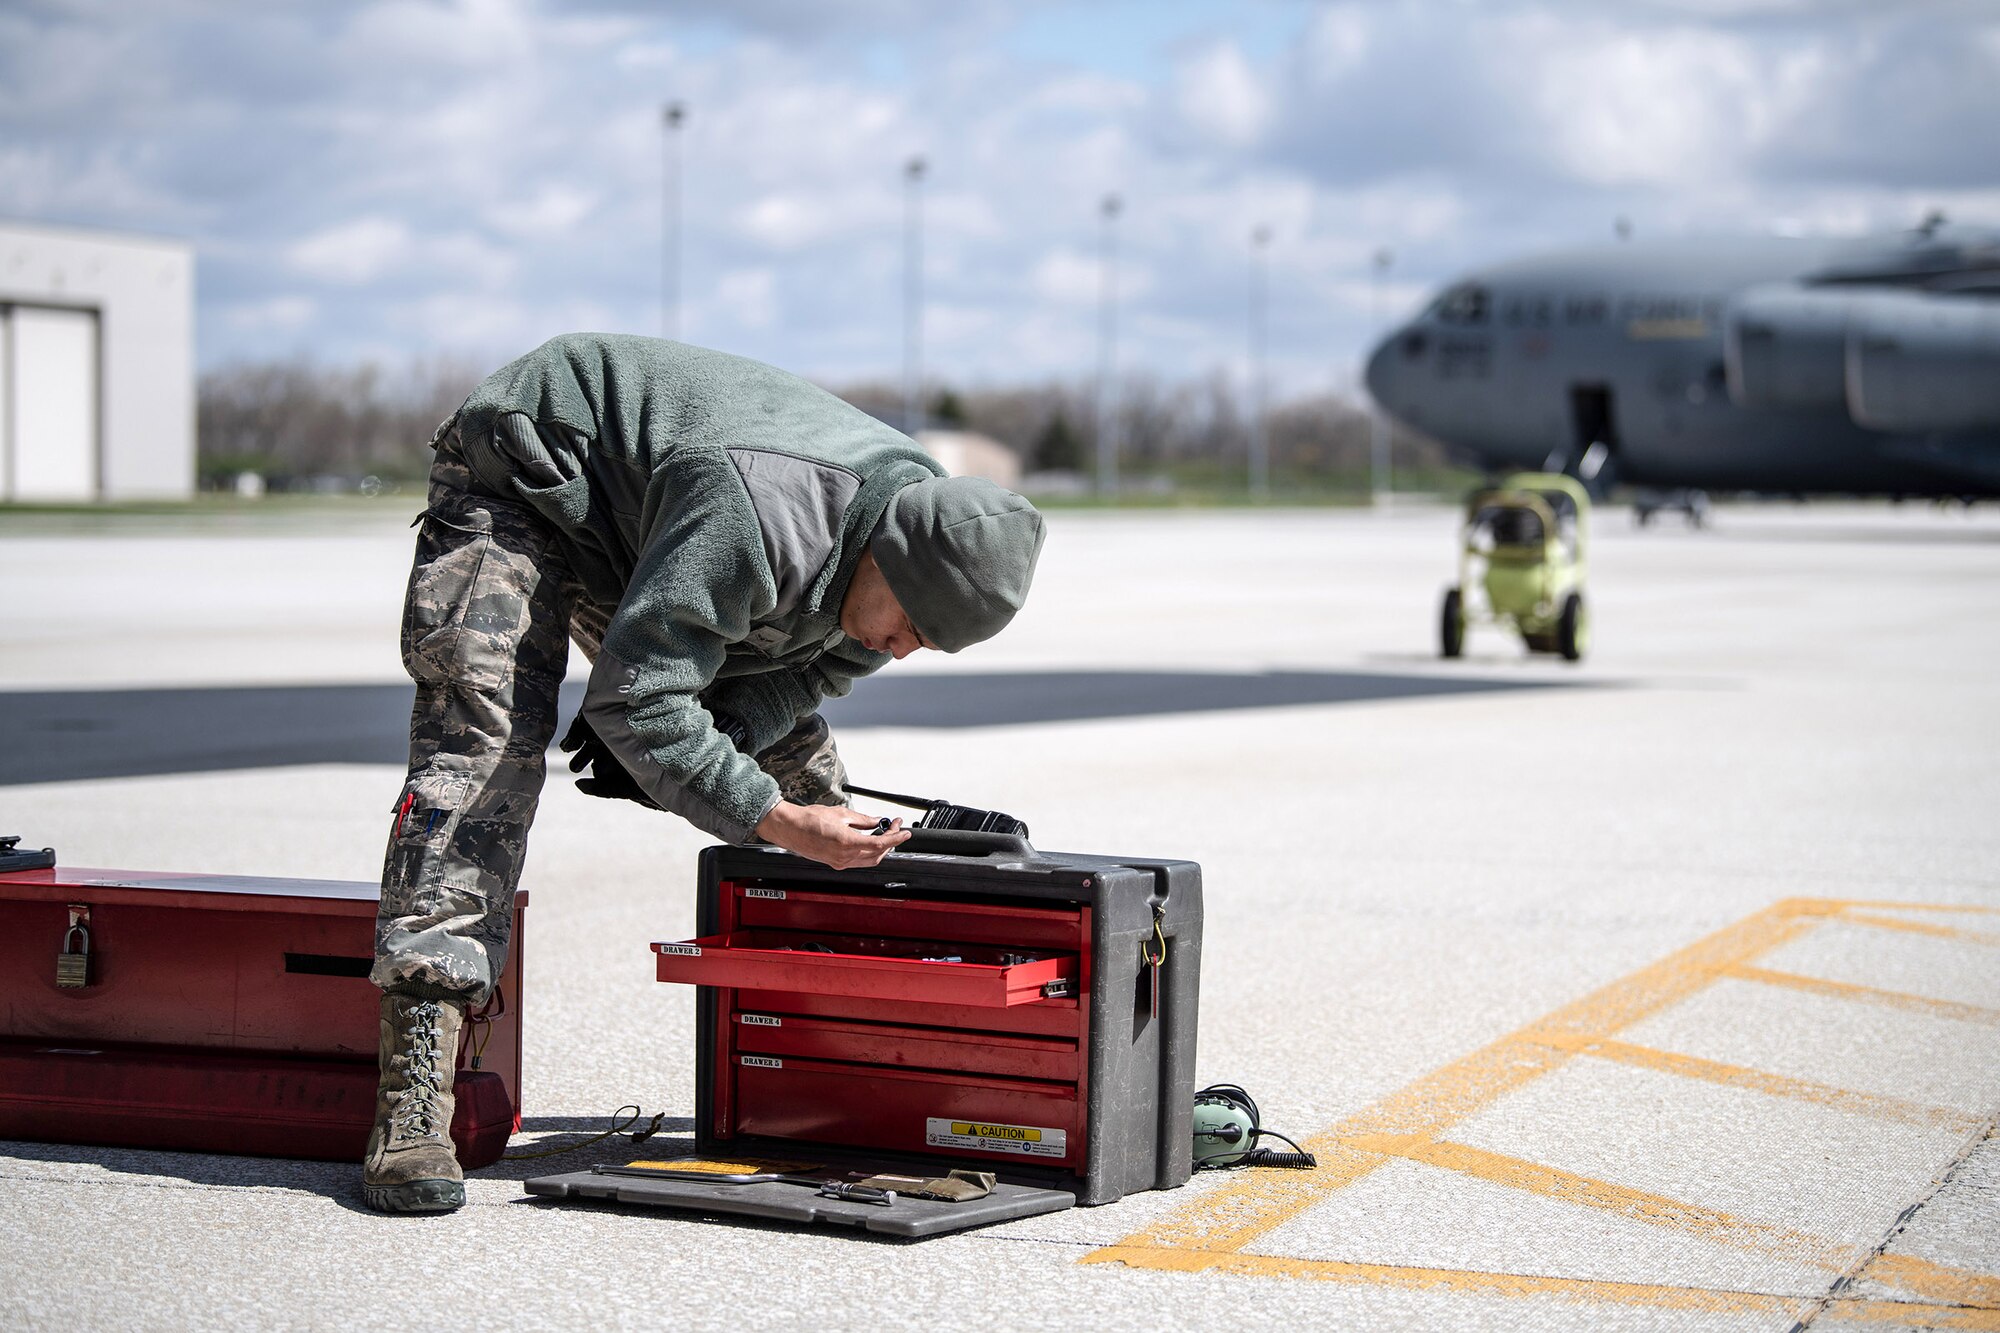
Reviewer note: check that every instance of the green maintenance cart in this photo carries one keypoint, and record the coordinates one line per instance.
(1521, 563)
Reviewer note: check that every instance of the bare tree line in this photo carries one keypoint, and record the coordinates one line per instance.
(294, 421)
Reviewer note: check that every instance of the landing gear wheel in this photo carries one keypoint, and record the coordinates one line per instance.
(1451, 625)
(1573, 630)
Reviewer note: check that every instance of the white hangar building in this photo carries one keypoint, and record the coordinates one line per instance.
(96, 366)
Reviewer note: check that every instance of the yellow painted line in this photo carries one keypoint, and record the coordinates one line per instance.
(1879, 1315)
(1932, 1281)
(1959, 933)
(1477, 1281)
(1891, 904)
(1874, 1105)
(1710, 1224)
(1700, 1300)
(1211, 1233)
(1251, 1204)
(1847, 990)
(1935, 1282)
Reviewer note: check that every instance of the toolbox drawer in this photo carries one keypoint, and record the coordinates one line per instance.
(815, 963)
(1005, 924)
(907, 1047)
(910, 1111)
(1046, 1018)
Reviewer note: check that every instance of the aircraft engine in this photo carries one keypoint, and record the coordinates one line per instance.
(1925, 363)
(1786, 347)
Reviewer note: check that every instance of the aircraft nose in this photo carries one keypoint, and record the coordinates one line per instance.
(1382, 375)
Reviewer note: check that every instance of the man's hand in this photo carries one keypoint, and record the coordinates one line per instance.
(833, 835)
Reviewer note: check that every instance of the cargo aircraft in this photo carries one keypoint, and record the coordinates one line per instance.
(1773, 364)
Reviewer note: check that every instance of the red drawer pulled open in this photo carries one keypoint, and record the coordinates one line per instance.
(887, 969)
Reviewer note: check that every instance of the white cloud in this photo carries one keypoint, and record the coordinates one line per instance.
(748, 297)
(1336, 42)
(1068, 278)
(352, 252)
(550, 211)
(1658, 108)
(479, 174)
(1221, 97)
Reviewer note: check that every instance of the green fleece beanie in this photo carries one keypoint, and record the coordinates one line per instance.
(959, 553)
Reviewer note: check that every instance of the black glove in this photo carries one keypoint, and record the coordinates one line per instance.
(608, 778)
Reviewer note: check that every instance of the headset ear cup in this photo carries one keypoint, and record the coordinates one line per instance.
(1225, 1125)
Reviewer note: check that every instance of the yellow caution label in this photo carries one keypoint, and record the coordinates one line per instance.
(1020, 1132)
(979, 1136)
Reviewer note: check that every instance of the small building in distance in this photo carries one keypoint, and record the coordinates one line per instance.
(965, 453)
(97, 395)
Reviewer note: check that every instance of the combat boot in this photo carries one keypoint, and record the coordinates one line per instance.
(411, 1166)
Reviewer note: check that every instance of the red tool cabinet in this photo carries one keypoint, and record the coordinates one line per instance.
(219, 1014)
(970, 1000)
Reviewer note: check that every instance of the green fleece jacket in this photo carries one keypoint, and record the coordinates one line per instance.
(721, 505)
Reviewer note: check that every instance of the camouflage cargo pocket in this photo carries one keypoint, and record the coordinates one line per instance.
(468, 599)
(426, 815)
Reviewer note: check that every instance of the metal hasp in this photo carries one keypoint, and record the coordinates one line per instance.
(73, 964)
(970, 1002)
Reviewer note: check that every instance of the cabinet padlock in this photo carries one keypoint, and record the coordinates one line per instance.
(73, 965)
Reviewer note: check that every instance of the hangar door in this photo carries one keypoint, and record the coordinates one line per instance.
(48, 388)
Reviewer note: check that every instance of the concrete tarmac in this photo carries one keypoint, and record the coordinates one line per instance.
(1658, 991)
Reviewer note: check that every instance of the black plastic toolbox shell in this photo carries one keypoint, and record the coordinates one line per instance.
(1139, 1114)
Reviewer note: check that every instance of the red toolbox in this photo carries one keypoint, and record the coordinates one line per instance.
(217, 1013)
(970, 1001)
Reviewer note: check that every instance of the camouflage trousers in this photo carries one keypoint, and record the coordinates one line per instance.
(487, 621)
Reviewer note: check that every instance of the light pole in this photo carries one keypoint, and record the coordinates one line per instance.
(1107, 347)
(1378, 435)
(1260, 460)
(913, 295)
(670, 223)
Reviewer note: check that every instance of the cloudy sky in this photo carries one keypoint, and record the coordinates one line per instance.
(466, 177)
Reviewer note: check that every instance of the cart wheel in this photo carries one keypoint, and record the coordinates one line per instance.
(1451, 625)
(1573, 630)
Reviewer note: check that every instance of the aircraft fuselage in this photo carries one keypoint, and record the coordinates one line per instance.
(1625, 347)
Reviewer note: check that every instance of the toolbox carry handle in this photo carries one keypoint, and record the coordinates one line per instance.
(965, 842)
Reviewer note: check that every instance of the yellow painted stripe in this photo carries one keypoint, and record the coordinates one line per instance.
(1891, 904)
(1212, 1231)
(1409, 1278)
(1880, 1315)
(1938, 1282)
(1847, 990)
(1703, 1300)
(1935, 1282)
(1959, 933)
(1710, 1224)
(1874, 1105)
(1254, 1203)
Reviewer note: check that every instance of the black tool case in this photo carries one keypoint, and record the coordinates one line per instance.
(970, 1002)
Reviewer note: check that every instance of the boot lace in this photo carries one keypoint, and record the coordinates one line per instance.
(416, 1114)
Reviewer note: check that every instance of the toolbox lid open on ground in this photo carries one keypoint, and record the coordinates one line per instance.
(784, 1201)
